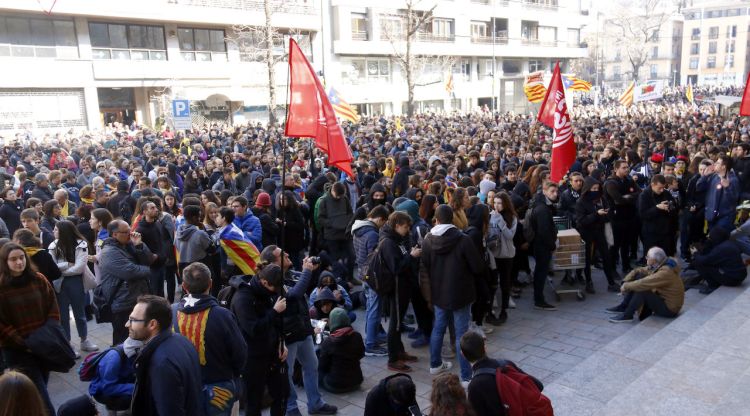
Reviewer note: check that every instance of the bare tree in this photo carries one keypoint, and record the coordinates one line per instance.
(402, 30)
(636, 24)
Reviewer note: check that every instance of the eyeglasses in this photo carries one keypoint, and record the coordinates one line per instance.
(131, 320)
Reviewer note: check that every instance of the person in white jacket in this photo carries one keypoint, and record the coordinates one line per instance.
(70, 252)
(503, 222)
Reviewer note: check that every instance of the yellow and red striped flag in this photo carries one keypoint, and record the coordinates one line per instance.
(341, 107)
(242, 252)
(689, 93)
(534, 87)
(626, 98)
(449, 83)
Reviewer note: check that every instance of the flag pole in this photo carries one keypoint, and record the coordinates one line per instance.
(282, 242)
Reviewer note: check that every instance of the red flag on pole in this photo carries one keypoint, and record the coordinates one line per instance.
(554, 114)
(745, 106)
(310, 113)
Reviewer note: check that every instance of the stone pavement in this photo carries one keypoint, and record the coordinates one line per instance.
(545, 344)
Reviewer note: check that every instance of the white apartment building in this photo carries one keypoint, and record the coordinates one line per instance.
(715, 43)
(664, 53)
(87, 63)
(521, 36)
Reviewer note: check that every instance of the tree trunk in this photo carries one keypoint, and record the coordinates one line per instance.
(409, 79)
(270, 61)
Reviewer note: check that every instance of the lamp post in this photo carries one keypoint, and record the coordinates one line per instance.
(674, 78)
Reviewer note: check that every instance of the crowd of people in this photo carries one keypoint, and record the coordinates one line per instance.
(449, 216)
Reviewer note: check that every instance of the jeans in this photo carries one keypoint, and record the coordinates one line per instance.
(72, 296)
(304, 351)
(156, 281)
(461, 319)
(725, 222)
(715, 277)
(372, 317)
(261, 372)
(650, 301)
(170, 275)
(26, 363)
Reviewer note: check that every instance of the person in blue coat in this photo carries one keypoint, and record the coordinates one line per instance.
(720, 262)
(722, 193)
(246, 221)
(115, 376)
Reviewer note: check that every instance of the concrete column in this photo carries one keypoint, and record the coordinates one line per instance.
(91, 100)
(84, 40)
(173, 43)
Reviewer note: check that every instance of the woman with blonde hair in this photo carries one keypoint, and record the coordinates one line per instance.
(19, 396)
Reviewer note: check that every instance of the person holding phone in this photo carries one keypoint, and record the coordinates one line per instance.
(592, 215)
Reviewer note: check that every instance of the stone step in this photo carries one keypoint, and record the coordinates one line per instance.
(700, 375)
(587, 388)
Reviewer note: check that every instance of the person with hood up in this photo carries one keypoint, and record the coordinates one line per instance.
(719, 263)
(340, 354)
(449, 263)
(654, 289)
(334, 214)
(255, 183)
(366, 236)
(376, 197)
(268, 224)
(214, 333)
(341, 297)
(592, 213)
(393, 396)
(401, 178)
(485, 186)
(113, 383)
(324, 303)
(193, 243)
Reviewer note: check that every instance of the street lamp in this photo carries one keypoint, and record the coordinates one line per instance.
(674, 78)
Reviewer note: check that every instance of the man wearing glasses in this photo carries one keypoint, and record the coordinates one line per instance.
(168, 374)
(124, 266)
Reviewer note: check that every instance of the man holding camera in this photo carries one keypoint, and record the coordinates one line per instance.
(657, 209)
(298, 331)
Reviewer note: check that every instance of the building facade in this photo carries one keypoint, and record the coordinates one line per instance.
(85, 63)
(715, 44)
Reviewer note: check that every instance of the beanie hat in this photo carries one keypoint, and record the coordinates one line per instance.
(657, 158)
(410, 207)
(80, 406)
(263, 200)
(338, 319)
(486, 185)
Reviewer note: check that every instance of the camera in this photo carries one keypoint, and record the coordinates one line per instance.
(315, 260)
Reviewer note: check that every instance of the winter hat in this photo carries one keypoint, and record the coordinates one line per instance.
(432, 160)
(80, 406)
(657, 158)
(486, 185)
(325, 294)
(263, 200)
(338, 318)
(410, 207)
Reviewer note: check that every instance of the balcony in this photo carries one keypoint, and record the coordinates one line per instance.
(432, 37)
(279, 6)
(541, 5)
(501, 38)
(359, 35)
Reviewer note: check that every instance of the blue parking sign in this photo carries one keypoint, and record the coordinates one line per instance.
(181, 114)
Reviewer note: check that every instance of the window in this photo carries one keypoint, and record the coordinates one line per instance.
(655, 36)
(529, 31)
(713, 32)
(695, 48)
(729, 61)
(41, 38)
(712, 47)
(617, 71)
(122, 41)
(202, 45)
(729, 47)
(693, 63)
(654, 71)
(511, 66)
(478, 30)
(711, 62)
(463, 69)
(732, 31)
(548, 35)
(359, 26)
(392, 27)
(363, 71)
(442, 28)
(535, 65)
(655, 52)
(574, 38)
(695, 34)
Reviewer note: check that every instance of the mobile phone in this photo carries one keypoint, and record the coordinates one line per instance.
(414, 410)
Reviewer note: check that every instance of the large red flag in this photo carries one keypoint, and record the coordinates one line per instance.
(745, 106)
(554, 114)
(310, 113)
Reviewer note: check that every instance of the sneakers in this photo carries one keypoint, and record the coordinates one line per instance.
(408, 358)
(497, 320)
(511, 304)
(448, 352)
(621, 318)
(615, 309)
(707, 290)
(75, 351)
(326, 409)
(544, 306)
(399, 367)
(421, 342)
(376, 352)
(89, 346)
(445, 366)
(474, 328)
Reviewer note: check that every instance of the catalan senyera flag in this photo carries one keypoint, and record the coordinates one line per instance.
(534, 87)
(689, 93)
(572, 83)
(341, 107)
(449, 83)
(242, 252)
(626, 98)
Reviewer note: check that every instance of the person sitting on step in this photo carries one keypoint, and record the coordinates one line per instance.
(719, 263)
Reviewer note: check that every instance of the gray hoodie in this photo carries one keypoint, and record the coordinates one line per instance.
(191, 242)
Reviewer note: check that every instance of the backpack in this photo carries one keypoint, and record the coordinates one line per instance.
(125, 210)
(518, 392)
(528, 228)
(376, 273)
(90, 365)
(225, 296)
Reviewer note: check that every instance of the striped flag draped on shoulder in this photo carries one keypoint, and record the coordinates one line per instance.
(241, 251)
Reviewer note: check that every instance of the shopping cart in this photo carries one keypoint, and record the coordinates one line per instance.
(568, 256)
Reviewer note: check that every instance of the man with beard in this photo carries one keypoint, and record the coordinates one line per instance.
(622, 194)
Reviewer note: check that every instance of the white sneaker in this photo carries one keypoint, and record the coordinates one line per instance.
(477, 329)
(89, 346)
(446, 366)
(447, 352)
(486, 329)
(511, 304)
(75, 351)
(465, 385)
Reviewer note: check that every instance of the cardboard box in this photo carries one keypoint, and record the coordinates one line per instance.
(570, 253)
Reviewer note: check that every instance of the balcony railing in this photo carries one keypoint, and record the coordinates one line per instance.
(538, 5)
(501, 38)
(359, 35)
(431, 37)
(281, 6)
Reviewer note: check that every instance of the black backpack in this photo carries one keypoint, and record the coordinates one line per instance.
(125, 210)
(225, 296)
(376, 273)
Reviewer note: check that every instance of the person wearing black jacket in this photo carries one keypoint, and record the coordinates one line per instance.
(11, 209)
(340, 354)
(591, 218)
(258, 307)
(268, 224)
(394, 243)
(621, 194)
(482, 391)
(568, 200)
(154, 235)
(656, 209)
(393, 396)
(121, 197)
(545, 240)
(691, 230)
(401, 179)
(39, 257)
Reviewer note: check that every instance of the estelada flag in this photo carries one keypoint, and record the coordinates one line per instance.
(242, 252)
(689, 93)
(626, 98)
(554, 114)
(745, 106)
(310, 113)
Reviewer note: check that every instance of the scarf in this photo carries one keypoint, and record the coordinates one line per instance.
(64, 209)
(31, 251)
(89, 201)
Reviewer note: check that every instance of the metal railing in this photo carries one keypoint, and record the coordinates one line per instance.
(359, 35)
(498, 40)
(431, 37)
(537, 5)
(281, 6)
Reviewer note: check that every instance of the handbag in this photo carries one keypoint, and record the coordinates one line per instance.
(103, 303)
(51, 348)
(89, 280)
